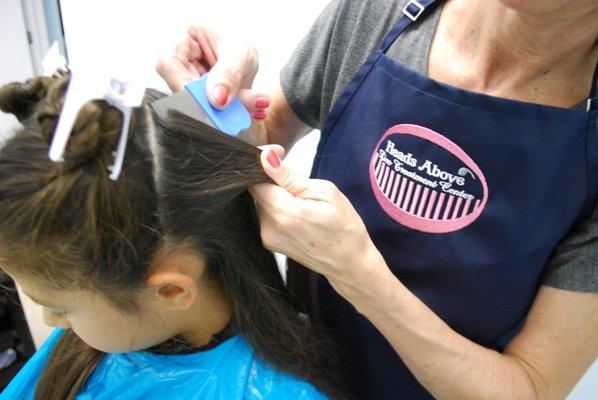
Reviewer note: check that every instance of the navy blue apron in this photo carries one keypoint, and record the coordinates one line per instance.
(466, 196)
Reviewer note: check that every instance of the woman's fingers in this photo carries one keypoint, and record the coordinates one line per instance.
(183, 66)
(282, 175)
(256, 103)
(206, 43)
(309, 220)
(232, 67)
(276, 148)
(174, 73)
(235, 69)
(286, 178)
(188, 51)
(273, 199)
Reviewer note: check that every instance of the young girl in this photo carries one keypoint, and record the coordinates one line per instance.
(158, 281)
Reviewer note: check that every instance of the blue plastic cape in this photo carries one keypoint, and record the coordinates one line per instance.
(229, 371)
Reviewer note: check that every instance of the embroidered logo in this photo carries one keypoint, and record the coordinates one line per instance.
(425, 181)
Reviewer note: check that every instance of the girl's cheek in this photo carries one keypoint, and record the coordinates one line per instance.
(98, 337)
(87, 336)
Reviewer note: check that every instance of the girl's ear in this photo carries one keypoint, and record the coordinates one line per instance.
(21, 99)
(174, 280)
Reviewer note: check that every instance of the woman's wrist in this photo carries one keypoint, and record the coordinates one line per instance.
(256, 135)
(367, 281)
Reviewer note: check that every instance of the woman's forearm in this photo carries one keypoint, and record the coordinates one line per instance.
(313, 223)
(282, 125)
(447, 364)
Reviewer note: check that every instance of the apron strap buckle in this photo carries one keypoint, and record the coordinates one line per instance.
(411, 7)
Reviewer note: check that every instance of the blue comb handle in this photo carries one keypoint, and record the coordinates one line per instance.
(232, 120)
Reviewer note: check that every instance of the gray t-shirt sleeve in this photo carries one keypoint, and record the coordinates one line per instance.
(328, 57)
(574, 264)
(305, 79)
(340, 41)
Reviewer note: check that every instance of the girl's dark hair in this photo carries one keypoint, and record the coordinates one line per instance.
(183, 183)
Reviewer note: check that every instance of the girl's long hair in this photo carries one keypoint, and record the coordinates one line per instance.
(70, 225)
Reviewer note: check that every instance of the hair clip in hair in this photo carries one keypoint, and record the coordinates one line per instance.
(84, 87)
(124, 96)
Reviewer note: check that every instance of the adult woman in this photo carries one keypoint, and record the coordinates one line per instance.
(449, 271)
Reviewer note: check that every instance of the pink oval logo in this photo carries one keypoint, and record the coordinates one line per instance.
(425, 181)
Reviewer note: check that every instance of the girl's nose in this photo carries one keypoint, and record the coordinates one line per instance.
(55, 320)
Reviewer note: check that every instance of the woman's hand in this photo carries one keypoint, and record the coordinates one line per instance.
(232, 68)
(313, 223)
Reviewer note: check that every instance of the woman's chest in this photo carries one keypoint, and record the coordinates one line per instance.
(470, 64)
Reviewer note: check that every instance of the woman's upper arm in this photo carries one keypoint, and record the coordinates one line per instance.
(319, 69)
(559, 340)
(283, 126)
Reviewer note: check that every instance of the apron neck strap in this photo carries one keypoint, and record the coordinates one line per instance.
(415, 8)
(411, 12)
(593, 98)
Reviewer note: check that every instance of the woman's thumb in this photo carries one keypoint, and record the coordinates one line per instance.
(282, 175)
(234, 70)
(222, 86)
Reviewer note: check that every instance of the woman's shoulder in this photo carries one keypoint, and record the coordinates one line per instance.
(338, 42)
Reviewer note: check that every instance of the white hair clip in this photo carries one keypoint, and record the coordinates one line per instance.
(83, 87)
(125, 96)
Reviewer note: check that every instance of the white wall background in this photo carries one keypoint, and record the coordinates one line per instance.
(135, 32)
(16, 65)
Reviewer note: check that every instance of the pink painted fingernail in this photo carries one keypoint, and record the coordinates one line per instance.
(262, 102)
(220, 94)
(259, 115)
(273, 159)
